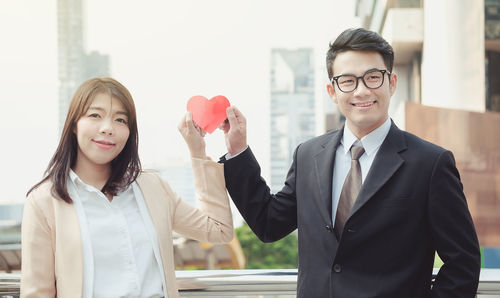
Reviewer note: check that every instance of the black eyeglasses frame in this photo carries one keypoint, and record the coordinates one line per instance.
(383, 71)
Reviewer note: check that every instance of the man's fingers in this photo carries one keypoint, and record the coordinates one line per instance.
(224, 126)
(231, 117)
(239, 115)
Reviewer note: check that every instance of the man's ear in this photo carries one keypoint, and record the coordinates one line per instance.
(331, 92)
(392, 83)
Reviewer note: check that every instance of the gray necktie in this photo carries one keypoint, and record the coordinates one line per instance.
(350, 190)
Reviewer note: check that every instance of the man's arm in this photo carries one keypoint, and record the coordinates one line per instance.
(271, 217)
(452, 232)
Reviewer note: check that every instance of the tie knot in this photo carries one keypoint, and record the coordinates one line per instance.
(356, 152)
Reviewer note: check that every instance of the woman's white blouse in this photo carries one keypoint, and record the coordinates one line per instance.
(120, 249)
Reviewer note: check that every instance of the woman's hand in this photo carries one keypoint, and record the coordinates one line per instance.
(193, 135)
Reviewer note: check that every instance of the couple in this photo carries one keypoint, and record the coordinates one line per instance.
(372, 204)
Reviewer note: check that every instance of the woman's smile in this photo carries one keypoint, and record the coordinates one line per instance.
(104, 144)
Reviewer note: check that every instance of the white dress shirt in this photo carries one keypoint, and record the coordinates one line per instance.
(120, 249)
(371, 142)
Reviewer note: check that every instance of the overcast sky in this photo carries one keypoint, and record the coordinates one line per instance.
(164, 52)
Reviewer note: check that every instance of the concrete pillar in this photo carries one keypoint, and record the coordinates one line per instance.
(453, 70)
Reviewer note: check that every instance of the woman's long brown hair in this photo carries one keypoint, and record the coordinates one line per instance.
(124, 168)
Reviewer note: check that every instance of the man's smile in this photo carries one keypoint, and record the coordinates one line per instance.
(365, 104)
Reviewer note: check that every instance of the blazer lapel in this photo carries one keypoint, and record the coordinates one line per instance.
(151, 190)
(386, 163)
(69, 251)
(323, 165)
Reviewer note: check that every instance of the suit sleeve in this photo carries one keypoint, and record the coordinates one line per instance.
(271, 217)
(453, 232)
(37, 268)
(212, 221)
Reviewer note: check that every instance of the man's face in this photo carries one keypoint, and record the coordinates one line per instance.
(365, 109)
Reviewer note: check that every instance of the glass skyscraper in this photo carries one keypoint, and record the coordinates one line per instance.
(292, 108)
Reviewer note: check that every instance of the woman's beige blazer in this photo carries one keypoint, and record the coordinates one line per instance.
(51, 243)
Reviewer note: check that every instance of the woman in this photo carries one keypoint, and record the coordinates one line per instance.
(98, 226)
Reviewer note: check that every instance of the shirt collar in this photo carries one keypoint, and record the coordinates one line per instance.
(79, 182)
(74, 177)
(348, 139)
(84, 186)
(371, 142)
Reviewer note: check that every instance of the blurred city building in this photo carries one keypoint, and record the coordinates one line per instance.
(10, 236)
(447, 59)
(190, 253)
(292, 108)
(74, 64)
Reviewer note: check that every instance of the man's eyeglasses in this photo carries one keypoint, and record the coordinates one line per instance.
(373, 79)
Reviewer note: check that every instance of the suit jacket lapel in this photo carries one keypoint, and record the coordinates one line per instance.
(323, 164)
(386, 163)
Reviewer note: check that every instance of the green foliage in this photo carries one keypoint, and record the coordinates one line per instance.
(280, 254)
(277, 255)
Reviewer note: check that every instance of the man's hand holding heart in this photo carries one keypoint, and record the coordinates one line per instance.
(235, 131)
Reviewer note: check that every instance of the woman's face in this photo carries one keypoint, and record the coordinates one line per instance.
(101, 132)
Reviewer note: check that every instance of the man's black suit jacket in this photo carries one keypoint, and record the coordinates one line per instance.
(410, 205)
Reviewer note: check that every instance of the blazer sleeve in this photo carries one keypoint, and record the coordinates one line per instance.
(37, 268)
(212, 221)
(452, 232)
(271, 216)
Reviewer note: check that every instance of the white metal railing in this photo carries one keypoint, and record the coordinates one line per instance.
(216, 283)
(237, 282)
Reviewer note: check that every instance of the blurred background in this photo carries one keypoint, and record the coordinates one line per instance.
(268, 59)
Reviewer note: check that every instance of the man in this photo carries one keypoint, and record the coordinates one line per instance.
(370, 218)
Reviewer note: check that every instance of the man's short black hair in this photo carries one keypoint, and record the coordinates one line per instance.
(359, 39)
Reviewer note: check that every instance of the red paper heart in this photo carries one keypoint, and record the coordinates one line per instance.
(208, 114)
